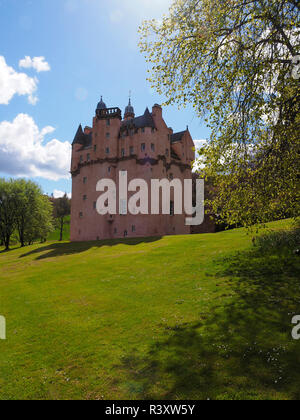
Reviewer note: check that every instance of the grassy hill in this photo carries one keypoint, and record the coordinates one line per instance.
(193, 317)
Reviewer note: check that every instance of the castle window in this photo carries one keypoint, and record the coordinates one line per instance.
(109, 169)
(107, 151)
(167, 152)
(143, 147)
(123, 152)
(143, 130)
(131, 150)
(81, 215)
(84, 198)
(153, 147)
(133, 228)
(85, 180)
(107, 122)
(94, 205)
(95, 148)
(125, 233)
(172, 208)
(107, 135)
(88, 157)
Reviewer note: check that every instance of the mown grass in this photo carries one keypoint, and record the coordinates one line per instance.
(192, 317)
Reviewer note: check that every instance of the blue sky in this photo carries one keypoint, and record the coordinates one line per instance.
(89, 49)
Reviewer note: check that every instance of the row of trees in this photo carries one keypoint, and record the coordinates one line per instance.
(25, 212)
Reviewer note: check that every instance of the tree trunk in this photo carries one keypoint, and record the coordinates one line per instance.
(61, 229)
(6, 242)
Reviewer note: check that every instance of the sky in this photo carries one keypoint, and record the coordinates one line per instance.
(56, 59)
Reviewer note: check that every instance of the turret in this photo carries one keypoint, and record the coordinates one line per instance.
(129, 111)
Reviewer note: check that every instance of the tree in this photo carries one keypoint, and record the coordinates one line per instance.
(25, 210)
(233, 60)
(40, 222)
(26, 207)
(7, 215)
(62, 209)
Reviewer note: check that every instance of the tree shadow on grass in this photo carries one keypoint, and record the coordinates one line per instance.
(62, 249)
(243, 350)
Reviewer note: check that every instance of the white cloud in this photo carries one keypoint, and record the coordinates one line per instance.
(60, 194)
(37, 63)
(198, 145)
(13, 83)
(23, 151)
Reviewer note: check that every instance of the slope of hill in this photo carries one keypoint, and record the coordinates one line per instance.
(192, 317)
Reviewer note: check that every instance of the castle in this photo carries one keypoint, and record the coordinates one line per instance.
(143, 146)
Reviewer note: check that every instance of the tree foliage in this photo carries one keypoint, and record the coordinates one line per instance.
(25, 210)
(233, 60)
(62, 209)
(7, 215)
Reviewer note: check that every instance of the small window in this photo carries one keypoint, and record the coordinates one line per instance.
(167, 152)
(125, 233)
(143, 130)
(153, 147)
(81, 215)
(115, 231)
(109, 169)
(95, 148)
(84, 198)
(85, 180)
(94, 205)
(131, 150)
(107, 151)
(107, 135)
(123, 152)
(171, 177)
(172, 208)
(108, 122)
(88, 157)
(143, 147)
(133, 228)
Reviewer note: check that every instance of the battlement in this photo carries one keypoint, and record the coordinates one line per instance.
(103, 114)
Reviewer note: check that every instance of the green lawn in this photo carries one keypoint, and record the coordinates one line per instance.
(192, 317)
